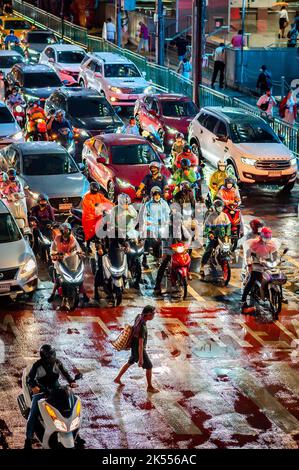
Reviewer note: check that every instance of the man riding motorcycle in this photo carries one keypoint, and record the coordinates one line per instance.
(11, 185)
(15, 98)
(258, 248)
(217, 225)
(218, 178)
(57, 122)
(229, 192)
(65, 244)
(186, 173)
(132, 128)
(43, 214)
(42, 378)
(123, 217)
(155, 217)
(94, 203)
(153, 179)
(36, 120)
(186, 153)
(18, 48)
(177, 146)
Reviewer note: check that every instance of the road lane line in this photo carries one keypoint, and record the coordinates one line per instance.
(285, 374)
(196, 295)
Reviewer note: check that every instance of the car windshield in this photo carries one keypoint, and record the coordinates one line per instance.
(90, 108)
(5, 116)
(16, 24)
(41, 80)
(49, 164)
(179, 108)
(7, 61)
(71, 57)
(41, 38)
(133, 154)
(9, 231)
(121, 70)
(255, 133)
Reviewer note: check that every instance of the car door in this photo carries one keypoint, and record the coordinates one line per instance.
(89, 68)
(207, 138)
(102, 173)
(98, 76)
(220, 140)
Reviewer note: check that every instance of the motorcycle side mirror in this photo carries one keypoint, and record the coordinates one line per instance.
(78, 376)
(81, 166)
(285, 251)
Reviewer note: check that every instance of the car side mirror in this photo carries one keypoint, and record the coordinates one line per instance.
(222, 138)
(81, 166)
(101, 160)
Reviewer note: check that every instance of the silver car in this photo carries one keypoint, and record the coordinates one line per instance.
(10, 130)
(8, 59)
(18, 267)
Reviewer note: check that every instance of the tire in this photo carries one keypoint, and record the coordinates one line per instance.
(196, 150)
(226, 272)
(288, 187)
(111, 191)
(275, 304)
(118, 296)
(185, 287)
(93, 266)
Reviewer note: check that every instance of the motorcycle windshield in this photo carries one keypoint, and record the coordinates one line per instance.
(116, 256)
(63, 400)
(72, 262)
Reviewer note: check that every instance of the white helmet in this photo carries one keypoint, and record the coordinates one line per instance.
(221, 163)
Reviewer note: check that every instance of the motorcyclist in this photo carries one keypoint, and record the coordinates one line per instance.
(217, 225)
(218, 179)
(256, 226)
(35, 114)
(156, 216)
(11, 185)
(185, 195)
(123, 216)
(42, 214)
(65, 244)
(132, 128)
(184, 173)
(229, 193)
(18, 48)
(43, 377)
(57, 122)
(94, 204)
(15, 98)
(259, 248)
(3, 180)
(177, 146)
(186, 153)
(153, 179)
(10, 38)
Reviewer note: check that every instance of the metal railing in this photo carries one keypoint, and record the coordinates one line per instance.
(162, 78)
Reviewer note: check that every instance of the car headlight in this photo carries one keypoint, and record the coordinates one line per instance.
(17, 136)
(293, 161)
(82, 132)
(248, 161)
(124, 184)
(171, 130)
(148, 89)
(31, 97)
(32, 51)
(28, 268)
(115, 89)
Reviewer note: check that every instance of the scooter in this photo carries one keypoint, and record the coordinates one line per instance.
(19, 113)
(69, 274)
(36, 131)
(75, 220)
(269, 290)
(59, 417)
(179, 268)
(135, 252)
(16, 203)
(44, 238)
(64, 137)
(219, 263)
(234, 215)
(115, 271)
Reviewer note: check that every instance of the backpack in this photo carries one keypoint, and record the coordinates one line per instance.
(124, 339)
(264, 106)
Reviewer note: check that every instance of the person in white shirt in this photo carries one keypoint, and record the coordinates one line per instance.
(266, 103)
(111, 30)
(219, 65)
(283, 21)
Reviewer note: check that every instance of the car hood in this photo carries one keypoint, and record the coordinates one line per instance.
(38, 47)
(97, 123)
(14, 254)
(181, 124)
(272, 150)
(137, 173)
(128, 82)
(39, 92)
(70, 67)
(73, 185)
(9, 129)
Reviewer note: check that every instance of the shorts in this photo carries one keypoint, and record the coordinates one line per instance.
(135, 358)
(282, 23)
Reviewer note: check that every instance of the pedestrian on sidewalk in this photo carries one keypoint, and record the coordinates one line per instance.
(138, 348)
(181, 45)
(237, 39)
(283, 21)
(185, 68)
(288, 108)
(266, 103)
(110, 30)
(219, 65)
(264, 81)
(293, 36)
(144, 37)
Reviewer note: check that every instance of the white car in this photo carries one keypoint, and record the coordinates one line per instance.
(65, 59)
(10, 131)
(114, 76)
(8, 59)
(253, 152)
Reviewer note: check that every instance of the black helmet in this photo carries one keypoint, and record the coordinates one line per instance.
(42, 197)
(185, 162)
(94, 187)
(218, 203)
(47, 354)
(179, 135)
(187, 148)
(229, 180)
(15, 88)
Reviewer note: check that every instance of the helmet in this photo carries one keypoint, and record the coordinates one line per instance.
(184, 185)
(47, 354)
(15, 88)
(124, 199)
(221, 163)
(3, 177)
(154, 164)
(179, 135)
(266, 233)
(156, 189)
(33, 102)
(132, 118)
(65, 229)
(229, 181)
(187, 148)
(255, 225)
(94, 187)
(42, 197)
(218, 204)
(185, 162)
(12, 174)
(58, 112)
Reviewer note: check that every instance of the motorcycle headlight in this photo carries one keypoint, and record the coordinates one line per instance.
(171, 130)
(75, 424)
(115, 89)
(124, 184)
(293, 161)
(28, 268)
(82, 132)
(248, 161)
(60, 425)
(17, 136)
(19, 109)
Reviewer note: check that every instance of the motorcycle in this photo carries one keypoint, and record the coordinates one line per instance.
(179, 267)
(75, 220)
(135, 250)
(59, 414)
(64, 137)
(115, 271)
(16, 203)
(269, 290)
(219, 263)
(69, 273)
(36, 131)
(44, 238)
(234, 215)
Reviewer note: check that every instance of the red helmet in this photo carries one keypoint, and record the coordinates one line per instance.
(266, 233)
(255, 225)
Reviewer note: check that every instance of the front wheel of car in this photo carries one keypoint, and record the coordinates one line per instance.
(195, 147)
(111, 191)
(288, 187)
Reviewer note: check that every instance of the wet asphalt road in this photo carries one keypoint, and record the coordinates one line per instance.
(226, 380)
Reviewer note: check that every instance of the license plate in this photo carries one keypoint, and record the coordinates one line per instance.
(4, 288)
(274, 173)
(132, 97)
(65, 207)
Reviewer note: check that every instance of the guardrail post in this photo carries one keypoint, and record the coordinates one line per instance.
(282, 86)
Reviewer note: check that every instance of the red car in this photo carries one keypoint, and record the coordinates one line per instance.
(119, 162)
(167, 114)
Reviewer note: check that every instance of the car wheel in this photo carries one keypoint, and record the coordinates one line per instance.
(195, 147)
(111, 191)
(288, 187)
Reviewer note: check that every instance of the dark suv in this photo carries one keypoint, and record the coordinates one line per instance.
(36, 41)
(89, 113)
(35, 81)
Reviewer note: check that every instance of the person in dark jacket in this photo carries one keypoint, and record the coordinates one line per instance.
(41, 216)
(264, 81)
(181, 45)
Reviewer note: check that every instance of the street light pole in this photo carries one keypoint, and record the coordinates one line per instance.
(242, 45)
(118, 26)
(161, 32)
(198, 45)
